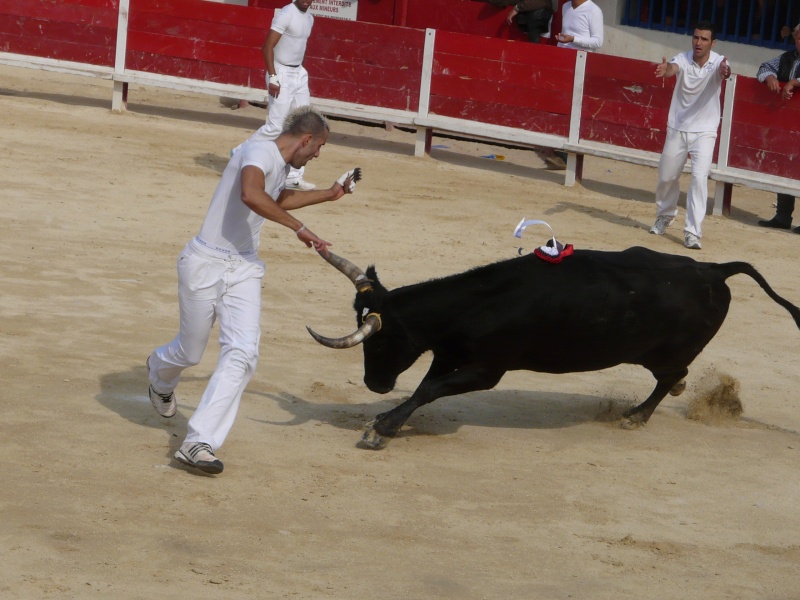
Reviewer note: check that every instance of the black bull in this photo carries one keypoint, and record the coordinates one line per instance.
(592, 311)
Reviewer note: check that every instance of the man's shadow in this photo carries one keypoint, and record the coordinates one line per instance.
(125, 393)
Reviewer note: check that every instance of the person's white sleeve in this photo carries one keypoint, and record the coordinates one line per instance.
(595, 38)
(281, 21)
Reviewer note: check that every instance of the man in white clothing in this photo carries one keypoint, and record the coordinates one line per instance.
(581, 26)
(287, 80)
(692, 124)
(220, 273)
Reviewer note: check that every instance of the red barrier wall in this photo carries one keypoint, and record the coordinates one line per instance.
(514, 84)
(198, 40)
(485, 80)
(380, 66)
(624, 104)
(82, 31)
(764, 131)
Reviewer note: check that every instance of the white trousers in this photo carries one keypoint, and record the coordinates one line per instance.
(213, 286)
(677, 146)
(294, 93)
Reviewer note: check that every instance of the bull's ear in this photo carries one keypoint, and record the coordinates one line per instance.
(372, 275)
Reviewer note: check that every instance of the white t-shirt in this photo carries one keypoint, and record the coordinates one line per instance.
(295, 29)
(695, 101)
(585, 23)
(230, 226)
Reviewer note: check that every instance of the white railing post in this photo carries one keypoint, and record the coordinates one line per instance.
(119, 98)
(422, 139)
(724, 146)
(575, 118)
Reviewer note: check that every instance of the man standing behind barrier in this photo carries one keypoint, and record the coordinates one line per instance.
(220, 274)
(287, 80)
(783, 69)
(532, 16)
(581, 26)
(694, 115)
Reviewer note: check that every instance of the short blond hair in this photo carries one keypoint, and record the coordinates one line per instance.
(305, 119)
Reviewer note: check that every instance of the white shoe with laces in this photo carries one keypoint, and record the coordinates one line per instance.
(691, 241)
(661, 224)
(200, 456)
(166, 405)
(300, 184)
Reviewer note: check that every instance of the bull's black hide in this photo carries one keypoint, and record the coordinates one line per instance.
(592, 311)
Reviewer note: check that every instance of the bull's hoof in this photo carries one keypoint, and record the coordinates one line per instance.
(372, 440)
(678, 388)
(633, 421)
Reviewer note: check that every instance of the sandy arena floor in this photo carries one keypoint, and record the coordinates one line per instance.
(523, 492)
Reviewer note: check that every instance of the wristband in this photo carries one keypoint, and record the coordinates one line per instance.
(302, 227)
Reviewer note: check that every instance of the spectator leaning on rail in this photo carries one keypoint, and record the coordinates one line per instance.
(581, 26)
(692, 124)
(783, 69)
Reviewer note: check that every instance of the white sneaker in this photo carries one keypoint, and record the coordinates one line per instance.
(300, 184)
(661, 224)
(165, 404)
(691, 241)
(200, 456)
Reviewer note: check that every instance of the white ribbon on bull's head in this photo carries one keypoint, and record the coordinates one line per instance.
(525, 223)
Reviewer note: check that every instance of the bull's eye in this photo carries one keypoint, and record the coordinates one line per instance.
(364, 313)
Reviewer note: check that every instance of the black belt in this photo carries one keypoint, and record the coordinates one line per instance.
(292, 66)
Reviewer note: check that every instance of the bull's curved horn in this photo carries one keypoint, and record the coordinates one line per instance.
(371, 325)
(351, 271)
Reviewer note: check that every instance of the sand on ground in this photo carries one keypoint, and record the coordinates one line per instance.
(527, 491)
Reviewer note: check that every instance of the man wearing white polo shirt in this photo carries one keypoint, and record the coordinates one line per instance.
(694, 115)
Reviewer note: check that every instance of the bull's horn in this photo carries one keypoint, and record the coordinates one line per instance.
(351, 271)
(371, 324)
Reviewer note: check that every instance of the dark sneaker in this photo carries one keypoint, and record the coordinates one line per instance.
(165, 404)
(200, 456)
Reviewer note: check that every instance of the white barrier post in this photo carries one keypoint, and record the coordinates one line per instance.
(722, 189)
(422, 142)
(119, 98)
(575, 162)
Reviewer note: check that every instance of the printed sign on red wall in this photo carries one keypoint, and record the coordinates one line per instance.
(346, 10)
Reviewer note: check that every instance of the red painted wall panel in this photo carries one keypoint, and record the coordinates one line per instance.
(513, 84)
(764, 130)
(624, 104)
(193, 69)
(364, 63)
(78, 31)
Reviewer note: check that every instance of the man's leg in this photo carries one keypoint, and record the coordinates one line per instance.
(197, 294)
(239, 313)
(701, 147)
(670, 166)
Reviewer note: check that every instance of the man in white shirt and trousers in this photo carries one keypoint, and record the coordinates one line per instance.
(287, 79)
(694, 116)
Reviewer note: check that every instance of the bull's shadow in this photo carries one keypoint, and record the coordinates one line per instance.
(494, 408)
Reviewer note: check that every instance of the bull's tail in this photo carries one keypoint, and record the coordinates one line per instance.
(735, 268)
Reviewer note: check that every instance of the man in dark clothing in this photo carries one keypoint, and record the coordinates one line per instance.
(783, 69)
(532, 16)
